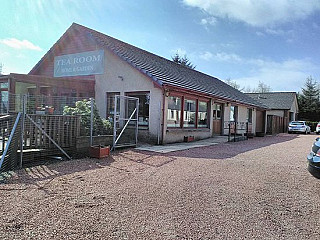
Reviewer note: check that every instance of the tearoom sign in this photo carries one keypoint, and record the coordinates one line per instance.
(79, 64)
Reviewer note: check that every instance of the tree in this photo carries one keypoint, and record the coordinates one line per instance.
(234, 84)
(262, 88)
(308, 100)
(184, 61)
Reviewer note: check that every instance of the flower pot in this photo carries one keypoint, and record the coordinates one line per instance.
(99, 151)
(49, 110)
(188, 139)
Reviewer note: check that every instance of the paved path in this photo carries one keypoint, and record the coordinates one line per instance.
(255, 189)
(173, 147)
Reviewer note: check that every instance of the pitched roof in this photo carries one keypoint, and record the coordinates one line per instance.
(275, 100)
(165, 72)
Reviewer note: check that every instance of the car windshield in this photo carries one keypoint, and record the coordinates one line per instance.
(297, 123)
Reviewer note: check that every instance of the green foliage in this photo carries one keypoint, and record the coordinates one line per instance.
(184, 61)
(308, 100)
(83, 108)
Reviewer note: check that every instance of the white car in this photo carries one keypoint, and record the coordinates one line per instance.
(318, 128)
(299, 127)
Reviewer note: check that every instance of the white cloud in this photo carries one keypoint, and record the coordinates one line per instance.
(208, 21)
(257, 13)
(20, 44)
(206, 56)
(288, 75)
(227, 57)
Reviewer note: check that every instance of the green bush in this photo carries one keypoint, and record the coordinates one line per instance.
(83, 108)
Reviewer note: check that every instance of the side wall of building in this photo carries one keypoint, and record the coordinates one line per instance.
(120, 77)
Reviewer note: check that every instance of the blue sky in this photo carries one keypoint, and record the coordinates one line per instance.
(273, 41)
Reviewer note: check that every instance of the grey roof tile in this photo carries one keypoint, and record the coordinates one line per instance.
(167, 72)
(275, 100)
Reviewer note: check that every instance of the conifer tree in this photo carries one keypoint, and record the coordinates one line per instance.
(308, 100)
(184, 61)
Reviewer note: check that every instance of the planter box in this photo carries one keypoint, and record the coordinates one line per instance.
(188, 138)
(99, 151)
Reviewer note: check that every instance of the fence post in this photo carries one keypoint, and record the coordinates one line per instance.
(24, 112)
(229, 134)
(235, 131)
(247, 129)
(91, 122)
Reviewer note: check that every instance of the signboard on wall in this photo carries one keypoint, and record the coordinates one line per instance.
(79, 64)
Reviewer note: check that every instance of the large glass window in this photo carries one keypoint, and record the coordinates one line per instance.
(203, 114)
(174, 112)
(189, 119)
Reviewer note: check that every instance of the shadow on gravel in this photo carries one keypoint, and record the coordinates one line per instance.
(50, 170)
(227, 150)
(232, 149)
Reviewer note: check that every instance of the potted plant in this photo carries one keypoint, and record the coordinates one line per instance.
(99, 151)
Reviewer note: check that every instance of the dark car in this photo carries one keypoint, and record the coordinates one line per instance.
(314, 159)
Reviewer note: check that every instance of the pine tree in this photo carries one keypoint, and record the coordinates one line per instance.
(308, 100)
(184, 61)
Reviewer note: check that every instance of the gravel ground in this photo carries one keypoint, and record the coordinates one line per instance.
(255, 189)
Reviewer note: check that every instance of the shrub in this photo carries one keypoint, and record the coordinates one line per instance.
(83, 108)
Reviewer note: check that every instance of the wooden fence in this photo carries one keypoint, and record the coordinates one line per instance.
(276, 124)
(63, 129)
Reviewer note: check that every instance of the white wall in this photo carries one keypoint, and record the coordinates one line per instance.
(120, 77)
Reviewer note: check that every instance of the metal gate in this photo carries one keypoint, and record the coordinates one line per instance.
(125, 121)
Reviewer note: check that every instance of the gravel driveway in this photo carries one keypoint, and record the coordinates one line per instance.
(255, 189)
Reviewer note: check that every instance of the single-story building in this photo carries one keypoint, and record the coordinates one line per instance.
(174, 101)
(282, 109)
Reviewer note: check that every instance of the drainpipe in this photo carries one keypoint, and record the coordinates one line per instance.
(163, 108)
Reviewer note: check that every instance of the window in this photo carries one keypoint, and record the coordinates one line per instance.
(194, 115)
(189, 119)
(249, 115)
(174, 111)
(217, 111)
(4, 97)
(203, 114)
(144, 100)
(233, 113)
(111, 104)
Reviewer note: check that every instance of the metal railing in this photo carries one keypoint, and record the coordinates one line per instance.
(237, 130)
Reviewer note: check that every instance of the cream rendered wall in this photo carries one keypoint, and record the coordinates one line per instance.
(294, 108)
(254, 120)
(119, 76)
(226, 117)
(242, 117)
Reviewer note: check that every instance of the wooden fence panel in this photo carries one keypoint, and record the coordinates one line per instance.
(63, 129)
